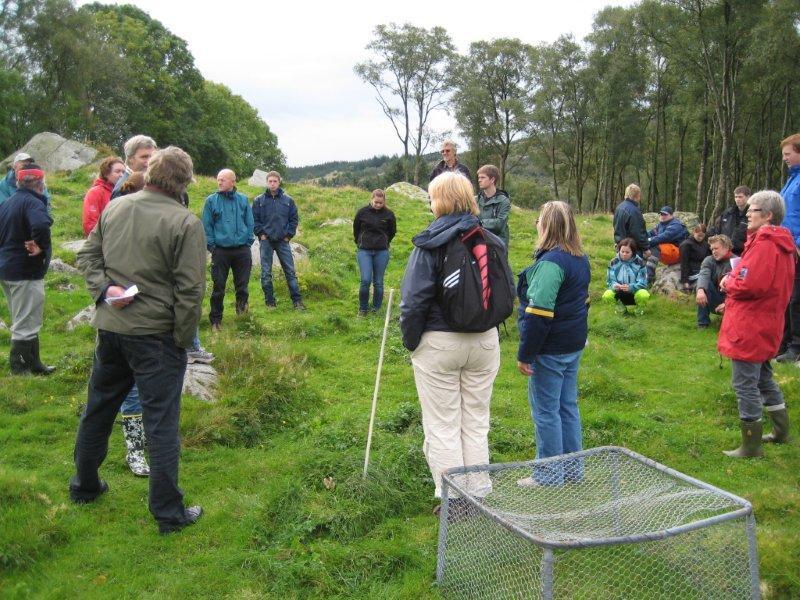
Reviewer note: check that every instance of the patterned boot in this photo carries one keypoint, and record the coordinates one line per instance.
(133, 432)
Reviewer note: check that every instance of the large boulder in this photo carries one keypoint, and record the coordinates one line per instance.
(200, 381)
(54, 153)
(409, 190)
(258, 179)
(299, 254)
(689, 219)
(667, 281)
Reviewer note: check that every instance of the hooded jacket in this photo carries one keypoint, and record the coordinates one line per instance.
(671, 232)
(757, 292)
(228, 220)
(24, 217)
(275, 216)
(791, 196)
(494, 213)
(419, 307)
(629, 222)
(632, 272)
(94, 203)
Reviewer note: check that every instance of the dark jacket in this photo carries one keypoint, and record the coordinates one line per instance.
(671, 232)
(275, 216)
(442, 168)
(153, 241)
(732, 223)
(712, 271)
(629, 222)
(374, 229)
(9, 185)
(228, 220)
(494, 213)
(24, 217)
(692, 255)
(419, 308)
(758, 290)
(554, 304)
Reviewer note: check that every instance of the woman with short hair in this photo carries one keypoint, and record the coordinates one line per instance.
(454, 371)
(374, 227)
(99, 195)
(554, 306)
(757, 291)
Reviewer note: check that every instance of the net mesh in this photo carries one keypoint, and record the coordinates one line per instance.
(608, 514)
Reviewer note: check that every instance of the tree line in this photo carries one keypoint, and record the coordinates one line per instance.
(688, 97)
(103, 73)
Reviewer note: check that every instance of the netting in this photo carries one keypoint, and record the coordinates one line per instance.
(602, 523)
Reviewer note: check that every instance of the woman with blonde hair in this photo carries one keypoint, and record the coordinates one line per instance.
(554, 306)
(454, 371)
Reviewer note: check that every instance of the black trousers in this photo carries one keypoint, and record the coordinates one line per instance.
(238, 260)
(157, 366)
(791, 329)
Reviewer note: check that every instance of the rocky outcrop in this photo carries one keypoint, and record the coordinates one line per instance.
(409, 190)
(201, 381)
(689, 219)
(667, 281)
(258, 179)
(82, 318)
(337, 222)
(59, 266)
(54, 153)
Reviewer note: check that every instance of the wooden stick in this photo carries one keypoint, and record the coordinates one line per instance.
(378, 381)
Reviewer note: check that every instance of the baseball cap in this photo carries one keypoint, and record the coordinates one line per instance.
(666, 210)
(22, 156)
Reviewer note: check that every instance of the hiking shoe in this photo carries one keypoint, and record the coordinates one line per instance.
(241, 309)
(216, 327)
(199, 356)
(362, 313)
(271, 304)
(702, 325)
(789, 356)
(193, 513)
(299, 305)
(87, 499)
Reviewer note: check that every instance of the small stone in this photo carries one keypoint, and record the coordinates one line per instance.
(336, 222)
(409, 190)
(83, 317)
(59, 266)
(73, 245)
(201, 381)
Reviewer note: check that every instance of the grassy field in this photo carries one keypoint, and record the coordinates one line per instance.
(276, 462)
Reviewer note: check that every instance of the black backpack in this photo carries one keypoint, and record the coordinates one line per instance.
(466, 306)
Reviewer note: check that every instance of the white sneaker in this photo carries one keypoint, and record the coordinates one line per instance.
(199, 356)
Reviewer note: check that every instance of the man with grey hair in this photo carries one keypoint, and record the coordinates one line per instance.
(24, 258)
(149, 240)
(138, 151)
(450, 162)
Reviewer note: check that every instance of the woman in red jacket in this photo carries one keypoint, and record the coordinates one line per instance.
(758, 290)
(98, 196)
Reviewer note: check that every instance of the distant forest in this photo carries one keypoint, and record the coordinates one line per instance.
(102, 73)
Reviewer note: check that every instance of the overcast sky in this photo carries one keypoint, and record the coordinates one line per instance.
(293, 60)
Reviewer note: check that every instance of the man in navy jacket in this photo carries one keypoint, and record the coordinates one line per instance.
(275, 224)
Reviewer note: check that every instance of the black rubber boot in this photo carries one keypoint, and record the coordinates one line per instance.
(751, 441)
(32, 358)
(780, 427)
(16, 358)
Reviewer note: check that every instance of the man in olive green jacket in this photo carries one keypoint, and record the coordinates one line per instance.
(147, 239)
(493, 203)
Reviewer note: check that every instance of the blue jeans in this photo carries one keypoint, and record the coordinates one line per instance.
(372, 264)
(715, 298)
(553, 396)
(284, 251)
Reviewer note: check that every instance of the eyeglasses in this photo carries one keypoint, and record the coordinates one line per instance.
(751, 209)
(448, 151)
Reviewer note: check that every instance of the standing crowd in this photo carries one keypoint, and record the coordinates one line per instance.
(144, 261)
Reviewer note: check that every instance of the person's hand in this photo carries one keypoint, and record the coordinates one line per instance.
(286, 238)
(625, 287)
(647, 253)
(723, 284)
(616, 287)
(525, 368)
(115, 291)
(32, 248)
(720, 310)
(262, 237)
(702, 299)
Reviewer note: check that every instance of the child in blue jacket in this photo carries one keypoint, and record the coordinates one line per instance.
(626, 278)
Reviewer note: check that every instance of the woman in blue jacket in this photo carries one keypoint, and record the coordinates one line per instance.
(554, 306)
(626, 278)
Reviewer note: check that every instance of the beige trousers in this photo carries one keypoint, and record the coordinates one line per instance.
(454, 373)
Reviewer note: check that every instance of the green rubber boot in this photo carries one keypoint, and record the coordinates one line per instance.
(780, 427)
(751, 441)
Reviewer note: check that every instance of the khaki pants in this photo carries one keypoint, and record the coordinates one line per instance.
(454, 373)
(26, 305)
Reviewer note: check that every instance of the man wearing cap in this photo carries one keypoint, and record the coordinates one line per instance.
(668, 231)
(9, 185)
(24, 258)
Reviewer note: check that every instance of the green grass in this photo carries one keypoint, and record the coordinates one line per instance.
(295, 394)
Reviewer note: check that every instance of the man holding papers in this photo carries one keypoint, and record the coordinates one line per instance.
(148, 240)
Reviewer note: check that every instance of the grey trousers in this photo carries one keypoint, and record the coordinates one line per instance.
(753, 384)
(26, 305)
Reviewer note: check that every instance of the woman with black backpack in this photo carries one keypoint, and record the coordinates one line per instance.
(455, 361)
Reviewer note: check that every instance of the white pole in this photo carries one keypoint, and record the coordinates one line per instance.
(377, 381)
